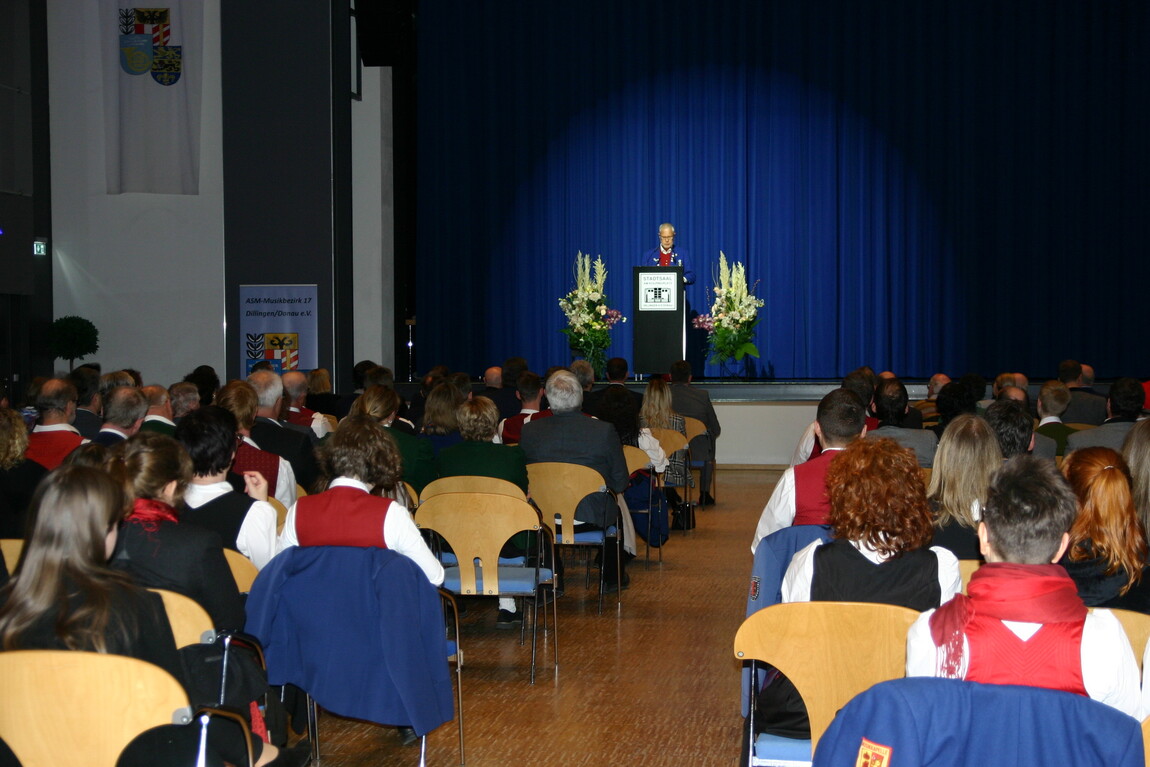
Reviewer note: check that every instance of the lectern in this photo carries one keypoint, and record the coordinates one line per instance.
(660, 330)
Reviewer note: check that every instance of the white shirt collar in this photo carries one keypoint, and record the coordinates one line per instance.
(349, 482)
(1050, 419)
(56, 427)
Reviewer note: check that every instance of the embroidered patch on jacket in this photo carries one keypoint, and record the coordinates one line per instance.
(754, 588)
(873, 755)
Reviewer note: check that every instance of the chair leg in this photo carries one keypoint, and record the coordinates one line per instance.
(313, 728)
(534, 629)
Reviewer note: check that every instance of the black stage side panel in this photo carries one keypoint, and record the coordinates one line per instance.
(385, 30)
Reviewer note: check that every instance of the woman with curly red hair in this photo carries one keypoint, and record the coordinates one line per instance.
(883, 527)
(1107, 552)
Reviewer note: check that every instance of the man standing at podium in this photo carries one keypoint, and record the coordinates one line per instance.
(666, 254)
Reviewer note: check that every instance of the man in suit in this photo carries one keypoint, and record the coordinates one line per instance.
(692, 402)
(1085, 406)
(570, 437)
(297, 412)
(1053, 400)
(891, 404)
(124, 411)
(291, 442)
(666, 254)
(1123, 407)
(185, 398)
(54, 436)
(585, 375)
(158, 417)
(929, 406)
(88, 421)
(616, 370)
(500, 391)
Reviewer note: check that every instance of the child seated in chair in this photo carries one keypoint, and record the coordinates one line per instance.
(1023, 622)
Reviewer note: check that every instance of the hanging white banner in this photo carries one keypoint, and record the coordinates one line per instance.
(279, 324)
(152, 64)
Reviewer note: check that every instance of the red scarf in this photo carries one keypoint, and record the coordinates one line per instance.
(149, 513)
(1009, 592)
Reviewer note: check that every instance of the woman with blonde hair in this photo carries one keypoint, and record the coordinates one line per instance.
(440, 424)
(657, 413)
(1107, 552)
(967, 455)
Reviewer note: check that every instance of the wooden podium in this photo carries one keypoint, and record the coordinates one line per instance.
(660, 330)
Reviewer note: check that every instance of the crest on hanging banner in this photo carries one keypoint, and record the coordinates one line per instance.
(166, 63)
(145, 34)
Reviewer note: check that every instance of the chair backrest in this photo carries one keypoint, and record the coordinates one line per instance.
(412, 496)
(242, 570)
(476, 525)
(637, 459)
(1137, 627)
(671, 440)
(281, 512)
(191, 623)
(966, 568)
(925, 472)
(557, 489)
(694, 427)
(12, 548)
(490, 485)
(1146, 739)
(71, 707)
(1079, 426)
(831, 651)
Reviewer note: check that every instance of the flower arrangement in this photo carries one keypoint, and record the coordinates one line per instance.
(731, 323)
(589, 319)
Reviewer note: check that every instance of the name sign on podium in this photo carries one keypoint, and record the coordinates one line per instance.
(660, 326)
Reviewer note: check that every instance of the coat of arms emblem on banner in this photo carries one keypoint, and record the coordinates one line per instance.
(145, 34)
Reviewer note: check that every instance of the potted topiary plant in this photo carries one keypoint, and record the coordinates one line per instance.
(72, 338)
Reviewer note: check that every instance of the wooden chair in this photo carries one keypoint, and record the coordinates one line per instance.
(12, 548)
(1146, 738)
(638, 460)
(242, 570)
(1080, 426)
(696, 428)
(473, 485)
(476, 525)
(557, 488)
(966, 568)
(925, 472)
(672, 441)
(412, 496)
(1137, 627)
(69, 707)
(191, 623)
(281, 513)
(831, 651)
(299, 491)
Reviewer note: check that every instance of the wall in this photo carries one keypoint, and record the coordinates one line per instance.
(146, 269)
(761, 433)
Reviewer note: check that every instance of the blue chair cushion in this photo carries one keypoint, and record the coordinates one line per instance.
(777, 751)
(513, 581)
(448, 559)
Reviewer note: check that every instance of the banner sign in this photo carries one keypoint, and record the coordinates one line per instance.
(658, 292)
(278, 323)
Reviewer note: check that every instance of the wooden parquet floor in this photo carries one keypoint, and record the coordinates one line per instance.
(653, 683)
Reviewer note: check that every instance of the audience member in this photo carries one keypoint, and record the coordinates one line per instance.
(800, 496)
(1136, 451)
(968, 454)
(54, 437)
(954, 399)
(294, 409)
(320, 396)
(585, 374)
(416, 453)
(658, 413)
(18, 475)
(245, 522)
(185, 398)
(529, 393)
(158, 416)
(1013, 427)
(929, 406)
(1053, 400)
(359, 461)
(89, 412)
(1085, 406)
(616, 370)
(891, 404)
(1022, 621)
(206, 381)
(570, 437)
(1107, 552)
(439, 424)
(1123, 407)
(155, 548)
(692, 402)
(239, 398)
(286, 440)
(124, 410)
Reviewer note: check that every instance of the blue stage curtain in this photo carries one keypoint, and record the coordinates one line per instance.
(918, 186)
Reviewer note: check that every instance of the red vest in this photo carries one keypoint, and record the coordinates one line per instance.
(1052, 658)
(513, 426)
(50, 448)
(812, 507)
(250, 458)
(341, 516)
(301, 417)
